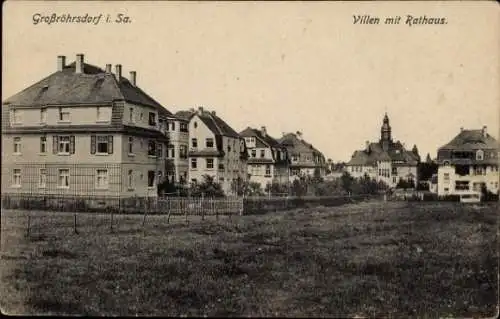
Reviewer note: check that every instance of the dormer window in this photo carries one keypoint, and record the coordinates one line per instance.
(152, 119)
(479, 155)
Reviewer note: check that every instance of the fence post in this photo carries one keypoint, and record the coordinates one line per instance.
(146, 203)
(28, 228)
(186, 213)
(169, 205)
(74, 224)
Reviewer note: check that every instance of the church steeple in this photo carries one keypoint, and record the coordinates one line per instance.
(385, 133)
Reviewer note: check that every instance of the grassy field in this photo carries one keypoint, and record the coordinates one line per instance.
(368, 259)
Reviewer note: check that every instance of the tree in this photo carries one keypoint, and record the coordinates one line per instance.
(299, 187)
(166, 186)
(254, 189)
(207, 188)
(239, 186)
(428, 159)
(347, 182)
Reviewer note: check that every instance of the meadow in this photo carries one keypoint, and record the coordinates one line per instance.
(371, 258)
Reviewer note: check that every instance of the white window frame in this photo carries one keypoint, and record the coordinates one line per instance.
(130, 146)
(16, 117)
(17, 145)
(479, 155)
(43, 115)
(102, 175)
(42, 178)
(99, 114)
(210, 160)
(131, 115)
(43, 150)
(62, 112)
(268, 169)
(101, 139)
(130, 179)
(16, 178)
(60, 175)
(62, 141)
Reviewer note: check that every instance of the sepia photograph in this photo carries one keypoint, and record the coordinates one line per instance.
(250, 159)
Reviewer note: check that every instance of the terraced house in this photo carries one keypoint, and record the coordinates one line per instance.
(385, 160)
(268, 160)
(305, 159)
(215, 149)
(468, 162)
(83, 130)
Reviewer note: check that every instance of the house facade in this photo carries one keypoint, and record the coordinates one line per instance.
(385, 160)
(305, 159)
(83, 130)
(177, 129)
(268, 160)
(215, 149)
(467, 162)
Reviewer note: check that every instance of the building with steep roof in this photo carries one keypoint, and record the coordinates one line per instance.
(215, 149)
(83, 130)
(385, 160)
(268, 160)
(305, 159)
(468, 162)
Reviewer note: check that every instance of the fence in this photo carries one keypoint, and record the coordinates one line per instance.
(171, 205)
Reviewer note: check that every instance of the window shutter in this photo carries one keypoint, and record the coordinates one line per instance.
(92, 144)
(55, 143)
(110, 144)
(72, 144)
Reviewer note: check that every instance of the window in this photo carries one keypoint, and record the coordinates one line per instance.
(394, 179)
(63, 180)
(210, 142)
(183, 127)
(173, 126)
(210, 163)
(194, 143)
(131, 115)
(63, 114)
(64, 144)
(172, 151)
(295, 158)
(479, 170)
(254, 153)
(17, 145)
(446, 177)
(43, 144)
(43, 115)
(183, 151)
(42, 180)
(479, 155)
(268, 170)
(461, 185)
(194, 163)
(395, 171)
(446, 189)
(16, 117)
(102, 145)
(151, 179)
(160, 150)
(195, 124)
(130, 179)
(102, 179)
(151, 148)
(141, 116)
(131, 145)
(262, 153)
(16, 177)
(152, 119)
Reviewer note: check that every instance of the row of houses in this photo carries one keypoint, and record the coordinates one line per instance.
(88, 130)
(467, 164)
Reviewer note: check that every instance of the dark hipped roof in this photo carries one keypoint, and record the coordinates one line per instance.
(212, 121)
(291, 141)
(375, 152)
(267, 139)
(471, 140)
(92, 86)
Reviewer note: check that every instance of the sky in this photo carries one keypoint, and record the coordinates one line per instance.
(289, 66)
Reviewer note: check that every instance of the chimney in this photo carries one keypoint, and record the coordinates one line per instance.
(263, 130)
(108, 68)
(367, 146)
(133, 76)
(118, 72)
(79, 63)
(200, 109)
(461, 129)
(485, 131)
(61, 62)
(192, 110)
(213, 113)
